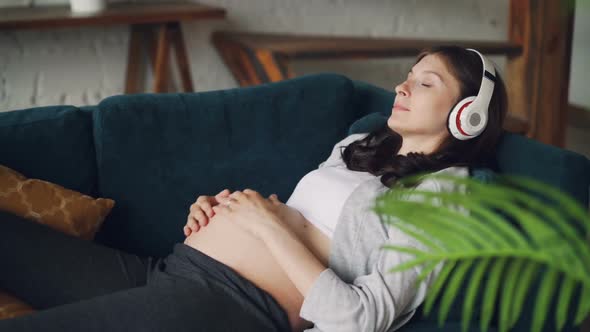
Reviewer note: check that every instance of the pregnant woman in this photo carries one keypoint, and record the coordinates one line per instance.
(251, 263)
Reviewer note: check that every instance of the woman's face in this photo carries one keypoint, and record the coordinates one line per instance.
(424, 100)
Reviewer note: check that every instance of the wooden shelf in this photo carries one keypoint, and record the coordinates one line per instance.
(56, 16)
(316, 47)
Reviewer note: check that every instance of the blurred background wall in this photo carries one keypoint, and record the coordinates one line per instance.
(81, 66)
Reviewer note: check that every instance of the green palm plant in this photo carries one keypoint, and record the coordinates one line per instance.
(472, 229)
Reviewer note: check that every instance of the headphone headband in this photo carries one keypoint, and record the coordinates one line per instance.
(488, 80)
(469, 117)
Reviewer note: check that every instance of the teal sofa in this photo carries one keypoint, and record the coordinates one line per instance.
(155, 153)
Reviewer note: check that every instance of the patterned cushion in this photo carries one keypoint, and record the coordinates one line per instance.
(11, 307)
(65, 210)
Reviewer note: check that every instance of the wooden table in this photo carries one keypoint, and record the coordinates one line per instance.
(154, 28)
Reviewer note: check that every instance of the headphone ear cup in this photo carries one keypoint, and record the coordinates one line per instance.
(454, 123)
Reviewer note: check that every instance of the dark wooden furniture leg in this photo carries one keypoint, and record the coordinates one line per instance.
(157, 40)
(136, 44)
(238, 60)
(181, 56)
(274, 67)
(161, 59)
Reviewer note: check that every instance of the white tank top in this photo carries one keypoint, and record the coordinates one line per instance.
(320, 194)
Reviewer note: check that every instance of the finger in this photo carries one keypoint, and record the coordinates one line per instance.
(252, 193)
(201, 199)
(186, 230)
(219, 198)
(274, 198)
(221, 208)
(206, 207)
(224, 192)
(194, 207)
(193, 224)
(201, 218)
(237, 196)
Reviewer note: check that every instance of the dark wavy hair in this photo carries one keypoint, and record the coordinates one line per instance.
(377, 153)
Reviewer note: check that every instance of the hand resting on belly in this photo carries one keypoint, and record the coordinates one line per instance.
(248, 256)
(201, 214)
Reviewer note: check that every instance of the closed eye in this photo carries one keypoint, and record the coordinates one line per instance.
(426, 85)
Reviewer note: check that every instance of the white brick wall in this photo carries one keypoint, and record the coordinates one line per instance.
(580, 66)
(84, 65)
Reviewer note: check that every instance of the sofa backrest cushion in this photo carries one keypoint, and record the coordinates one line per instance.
(157, 153)
(520, 155)
(567, 170)
(371, 99)
(52, 143)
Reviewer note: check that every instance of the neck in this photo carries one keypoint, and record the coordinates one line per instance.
(419, 144)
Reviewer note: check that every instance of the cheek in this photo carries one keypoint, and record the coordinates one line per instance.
(440, 109)
(433, 115)
(445, 105)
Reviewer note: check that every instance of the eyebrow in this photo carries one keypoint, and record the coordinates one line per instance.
(431, 72)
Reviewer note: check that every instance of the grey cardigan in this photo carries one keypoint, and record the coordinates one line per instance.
(356, 292)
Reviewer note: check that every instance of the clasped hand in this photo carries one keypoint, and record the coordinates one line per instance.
(246, 209)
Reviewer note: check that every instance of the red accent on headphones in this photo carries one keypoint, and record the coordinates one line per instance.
(457, 119)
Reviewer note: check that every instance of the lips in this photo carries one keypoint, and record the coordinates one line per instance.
(397, 107)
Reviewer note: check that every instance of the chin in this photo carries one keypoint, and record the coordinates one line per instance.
(393, 124)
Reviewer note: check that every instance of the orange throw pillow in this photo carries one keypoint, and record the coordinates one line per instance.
(11, 307)
(65, 210)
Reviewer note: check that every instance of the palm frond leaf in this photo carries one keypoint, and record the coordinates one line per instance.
(503, 233)
(454, 283)
(470, 297)
(567, 289)
(524, 284)
(543, 298)
(512, 276)
(491, 291)
(584, 306)
(437, 286)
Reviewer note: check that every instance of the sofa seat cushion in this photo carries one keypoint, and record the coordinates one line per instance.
(432, 326)
(157, 153)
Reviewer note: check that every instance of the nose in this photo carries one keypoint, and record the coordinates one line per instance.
(402, 89)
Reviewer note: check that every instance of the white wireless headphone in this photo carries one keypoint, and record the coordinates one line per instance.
(469, 117)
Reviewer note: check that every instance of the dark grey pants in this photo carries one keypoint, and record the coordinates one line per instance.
(79, 285)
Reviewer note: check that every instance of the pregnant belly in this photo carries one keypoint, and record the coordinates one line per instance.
(250, 258)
